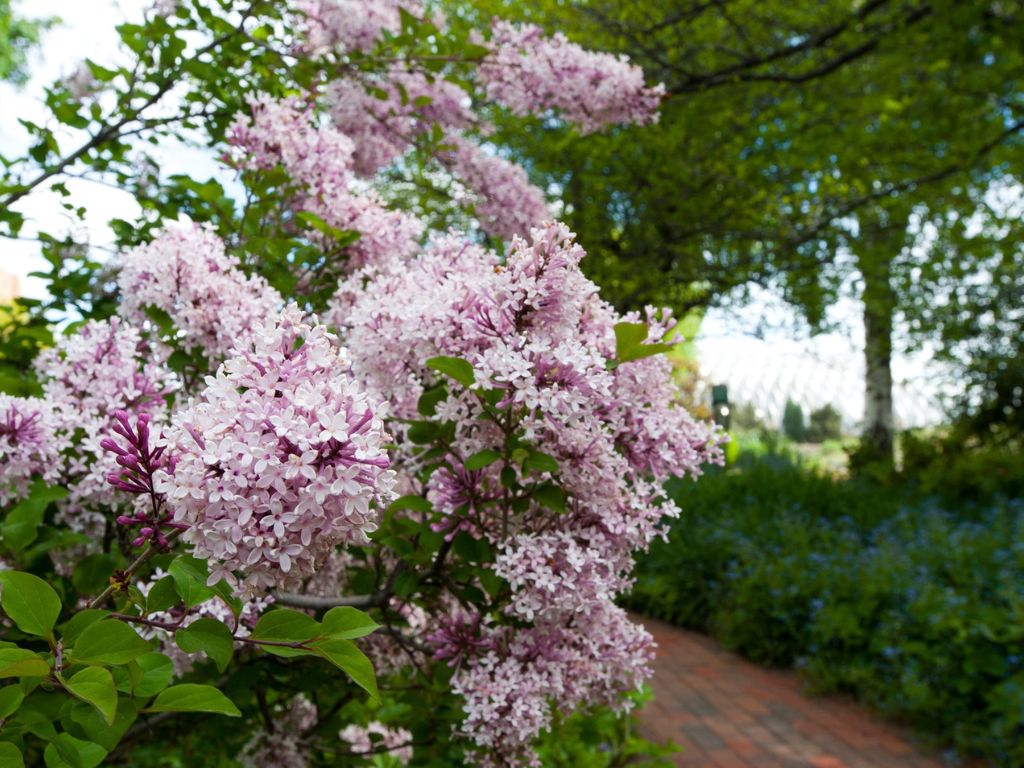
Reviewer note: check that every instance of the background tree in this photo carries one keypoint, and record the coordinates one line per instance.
(795, 142)
(793, 425)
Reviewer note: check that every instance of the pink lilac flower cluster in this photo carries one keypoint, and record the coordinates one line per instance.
(186, 272)
(534, 329)
(510, 692)
(349, 25)
(319, 160)
(530, 72)
(28, 445)
(499, 191)
(385, 114)
(377, 738)
(102, 368)
(280, 458)
(285, 746)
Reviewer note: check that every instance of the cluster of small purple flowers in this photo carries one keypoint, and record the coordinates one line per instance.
(319, 160)
(187, 273)
(529, 72)
(534, 330)
(378, 739)
(278, 460)
(27, 446)
(284, 746)
(89, 376)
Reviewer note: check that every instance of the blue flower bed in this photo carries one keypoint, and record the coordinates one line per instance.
(915, 608)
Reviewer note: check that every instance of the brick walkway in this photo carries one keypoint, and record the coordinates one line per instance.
(728, 713)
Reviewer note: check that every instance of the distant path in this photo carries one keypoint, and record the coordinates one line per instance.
(728, 713)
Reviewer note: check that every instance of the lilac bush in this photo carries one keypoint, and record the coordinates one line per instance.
(317, 417)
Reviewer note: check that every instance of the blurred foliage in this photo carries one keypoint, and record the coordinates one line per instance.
(825, 423)
(17, 36)
(913, 604)
(793, 424)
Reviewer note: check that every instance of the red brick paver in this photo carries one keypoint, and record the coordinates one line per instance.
(728, 713)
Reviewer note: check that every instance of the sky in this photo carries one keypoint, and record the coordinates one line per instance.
(762, 352)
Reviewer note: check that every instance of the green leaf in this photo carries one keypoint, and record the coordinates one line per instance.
(481, 459)
(95, 686)
(20, 662)
(190, 575)
(455, 367)
(21, 527)
(96, 729)
(92, 574)
(415, 503)
(550, 496)
(349, 659)
(422, 432)
(428, 401)
(210, 636)
(30, 602)
(346, 623)
(157, 673)
(628, 336)
(11, 697)
(10, 756)
(285, 624)
(109, 642)
(629, 343)
(66, 750)
(162, 595)
(540, 462)
(73, 627)
(189, 697)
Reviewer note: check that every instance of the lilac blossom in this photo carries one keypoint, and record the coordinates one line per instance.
(29, 446)
(377, 738)
(281, 458)
(186, 272)
(530, 72)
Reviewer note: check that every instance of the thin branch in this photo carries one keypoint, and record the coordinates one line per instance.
(319, 603)
(149, 552)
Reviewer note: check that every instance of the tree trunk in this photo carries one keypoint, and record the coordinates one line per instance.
(879, 305)
(882, 237)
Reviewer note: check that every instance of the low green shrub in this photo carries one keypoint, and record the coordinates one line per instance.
(916, 609)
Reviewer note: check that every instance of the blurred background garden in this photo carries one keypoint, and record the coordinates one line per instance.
(832, 202)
